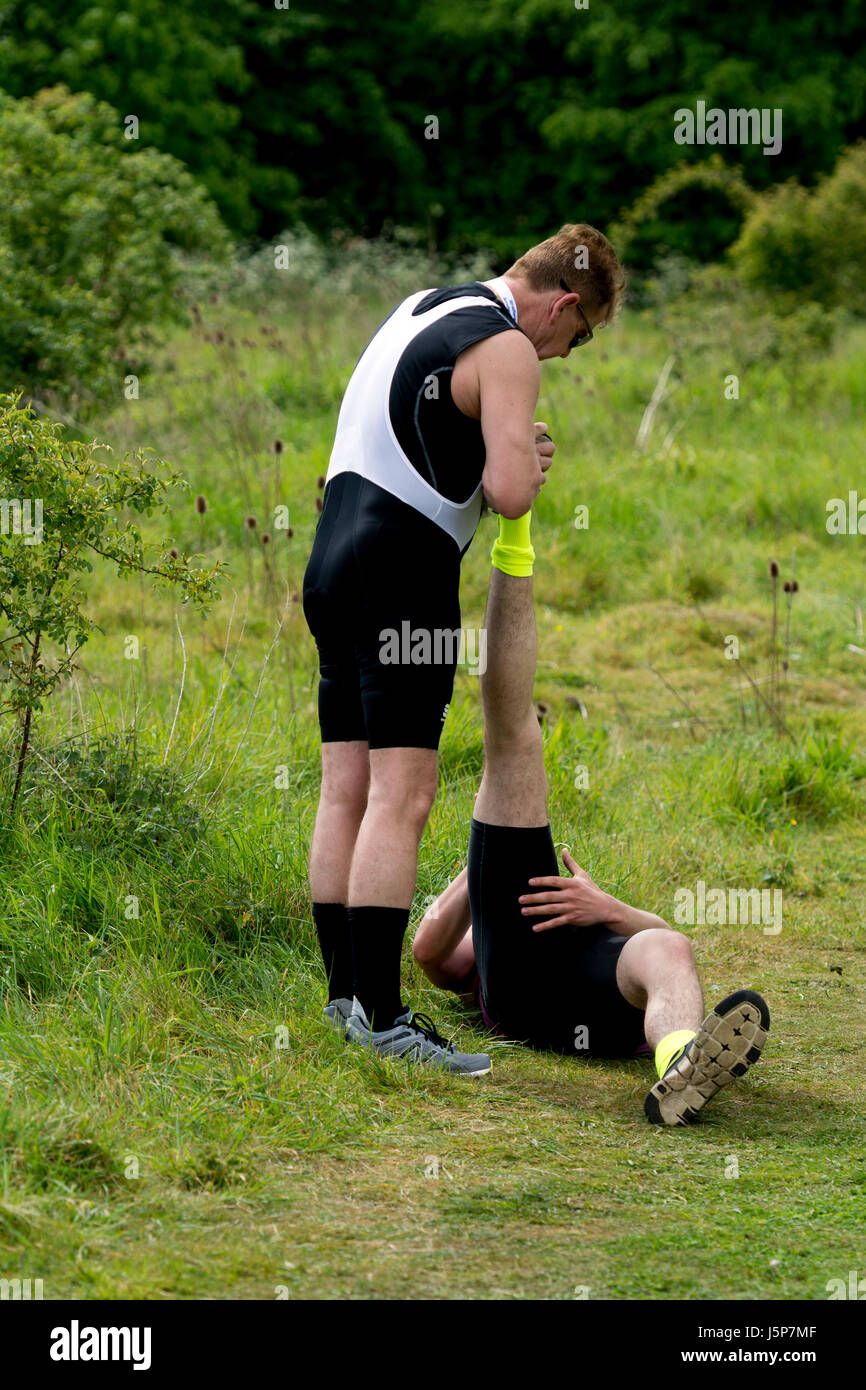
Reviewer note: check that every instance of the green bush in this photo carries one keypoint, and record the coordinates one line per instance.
(111, 795)
(711, 310)
(693, 211)
(63, 504)
(803, 245)
(93, 230)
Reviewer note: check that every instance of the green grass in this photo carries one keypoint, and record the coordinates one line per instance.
(175, 1120)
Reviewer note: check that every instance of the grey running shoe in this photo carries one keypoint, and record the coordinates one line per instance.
(728, 1041)
(336, 1014)
(414, 1037)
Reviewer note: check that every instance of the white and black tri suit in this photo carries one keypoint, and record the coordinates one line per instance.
(402, 502)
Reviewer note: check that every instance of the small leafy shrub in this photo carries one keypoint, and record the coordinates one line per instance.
(111, 794)
(810, 245)
(231, 913)
(64, 506)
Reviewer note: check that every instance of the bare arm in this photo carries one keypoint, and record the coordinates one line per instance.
(443, 940)
(578, 901)
(509, 379)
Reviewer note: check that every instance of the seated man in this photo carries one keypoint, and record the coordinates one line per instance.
(567, 967)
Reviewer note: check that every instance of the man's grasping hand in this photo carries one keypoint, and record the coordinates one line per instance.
(573, 901)
(544, 447)
(579, 902)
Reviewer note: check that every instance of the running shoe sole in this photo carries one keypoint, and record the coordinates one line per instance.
(728, 1042)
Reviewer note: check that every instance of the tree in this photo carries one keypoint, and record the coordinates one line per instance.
(176, 65)
(61, 506)
(92, 234)
(546, 112)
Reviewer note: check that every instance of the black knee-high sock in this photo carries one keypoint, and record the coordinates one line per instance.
(335, 943)
(377, 939)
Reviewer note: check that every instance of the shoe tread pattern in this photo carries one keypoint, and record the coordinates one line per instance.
(728, 1042)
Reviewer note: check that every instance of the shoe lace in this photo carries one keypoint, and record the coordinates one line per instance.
(426, 1026)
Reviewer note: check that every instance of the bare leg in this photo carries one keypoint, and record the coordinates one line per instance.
(385, 860)
(656, 972)
(514, 786)
(513, 789)
(342, 802)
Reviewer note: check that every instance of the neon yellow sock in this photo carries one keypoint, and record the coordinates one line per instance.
(512, 550)
(670, 1046)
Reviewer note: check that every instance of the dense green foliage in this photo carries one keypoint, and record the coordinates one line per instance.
(801, 245)
(692, 211)
(546, 112)
(92, 228)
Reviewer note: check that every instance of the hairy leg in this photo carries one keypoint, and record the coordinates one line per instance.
(656, 972)
(385, 860)
(513, 789)
(342, 803)
(514, 786)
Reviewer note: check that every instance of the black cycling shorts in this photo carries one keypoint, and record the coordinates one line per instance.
(381, 598)
(556, 989)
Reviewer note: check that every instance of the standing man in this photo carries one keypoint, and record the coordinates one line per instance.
(438, 416)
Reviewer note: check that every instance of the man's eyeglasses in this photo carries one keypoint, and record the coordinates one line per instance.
(579, 338)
